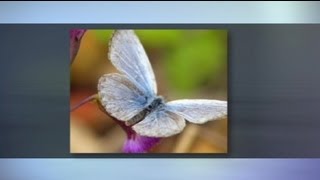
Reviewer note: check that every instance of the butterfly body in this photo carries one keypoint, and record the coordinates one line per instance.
(158, 102)
(131, 96)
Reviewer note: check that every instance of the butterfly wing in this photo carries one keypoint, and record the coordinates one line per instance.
(160, 123)
(120, 97)
(129, 57)
(199, 111)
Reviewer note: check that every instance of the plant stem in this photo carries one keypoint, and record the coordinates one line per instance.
(86, 100)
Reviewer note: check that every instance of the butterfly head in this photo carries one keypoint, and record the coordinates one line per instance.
(158, 101)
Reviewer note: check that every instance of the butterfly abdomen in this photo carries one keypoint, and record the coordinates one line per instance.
(156, 103)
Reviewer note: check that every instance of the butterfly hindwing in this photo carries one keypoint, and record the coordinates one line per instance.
(160, 123)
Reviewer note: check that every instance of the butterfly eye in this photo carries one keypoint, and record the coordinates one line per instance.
(149, 107)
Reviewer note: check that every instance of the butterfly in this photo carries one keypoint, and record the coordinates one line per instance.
(131, 95)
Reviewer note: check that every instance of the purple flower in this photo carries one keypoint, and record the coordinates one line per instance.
(136, 143)
(139, 144)
(75, 40)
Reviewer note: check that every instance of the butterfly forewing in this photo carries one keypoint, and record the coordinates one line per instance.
(120, 97)
(199, 111)
(129, 57)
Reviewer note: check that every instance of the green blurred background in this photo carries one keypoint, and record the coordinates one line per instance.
(187, 64)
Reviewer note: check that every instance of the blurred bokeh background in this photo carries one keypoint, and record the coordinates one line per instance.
(187, 64)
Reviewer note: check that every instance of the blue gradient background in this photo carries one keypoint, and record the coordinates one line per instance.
(159, 12)
(159, 169)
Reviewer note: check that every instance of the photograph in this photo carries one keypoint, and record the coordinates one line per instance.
(153, 91)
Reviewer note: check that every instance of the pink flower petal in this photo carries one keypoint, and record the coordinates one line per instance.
(75, 40)
(139, 144)
(136, 143)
